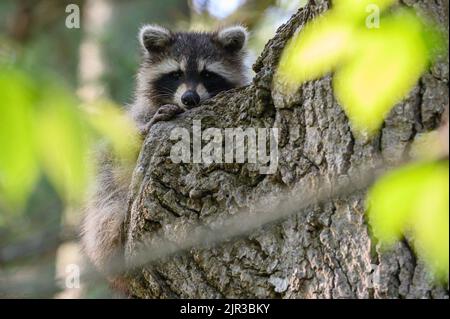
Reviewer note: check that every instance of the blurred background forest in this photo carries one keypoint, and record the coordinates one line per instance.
(98, 60)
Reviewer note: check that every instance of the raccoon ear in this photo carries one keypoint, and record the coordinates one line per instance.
(234, 38)
(154, 38)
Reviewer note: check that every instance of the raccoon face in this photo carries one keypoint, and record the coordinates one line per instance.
(186, 68)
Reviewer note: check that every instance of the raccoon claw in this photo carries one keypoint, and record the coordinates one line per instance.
(164, 113)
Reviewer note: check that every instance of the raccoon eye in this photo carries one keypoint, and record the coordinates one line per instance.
(176, 75)
(207, 74)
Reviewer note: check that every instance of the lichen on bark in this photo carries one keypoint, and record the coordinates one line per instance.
(324, 251)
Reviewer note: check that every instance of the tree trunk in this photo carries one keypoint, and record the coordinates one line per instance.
(324, 251)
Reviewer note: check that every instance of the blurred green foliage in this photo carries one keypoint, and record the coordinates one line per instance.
(18, 168)
(414, 200)
(44, 129)
(387, 63)
(375, 64)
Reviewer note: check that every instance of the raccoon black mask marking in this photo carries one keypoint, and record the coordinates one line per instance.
(186, 68)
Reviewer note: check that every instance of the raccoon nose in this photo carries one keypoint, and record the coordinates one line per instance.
(190, 98)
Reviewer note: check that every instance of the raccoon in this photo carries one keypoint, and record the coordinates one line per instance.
(179, 71)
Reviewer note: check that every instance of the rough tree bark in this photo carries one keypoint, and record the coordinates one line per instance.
(322, 252)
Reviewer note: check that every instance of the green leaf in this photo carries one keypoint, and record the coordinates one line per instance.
(64, 142)
(431, 220)
(324, 43)
(389, 202)
(18, 161)
(387, 64)
(414, 199)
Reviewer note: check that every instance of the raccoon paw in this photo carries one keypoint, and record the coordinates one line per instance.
(164, 113)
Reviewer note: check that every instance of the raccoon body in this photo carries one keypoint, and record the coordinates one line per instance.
(179, 71)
